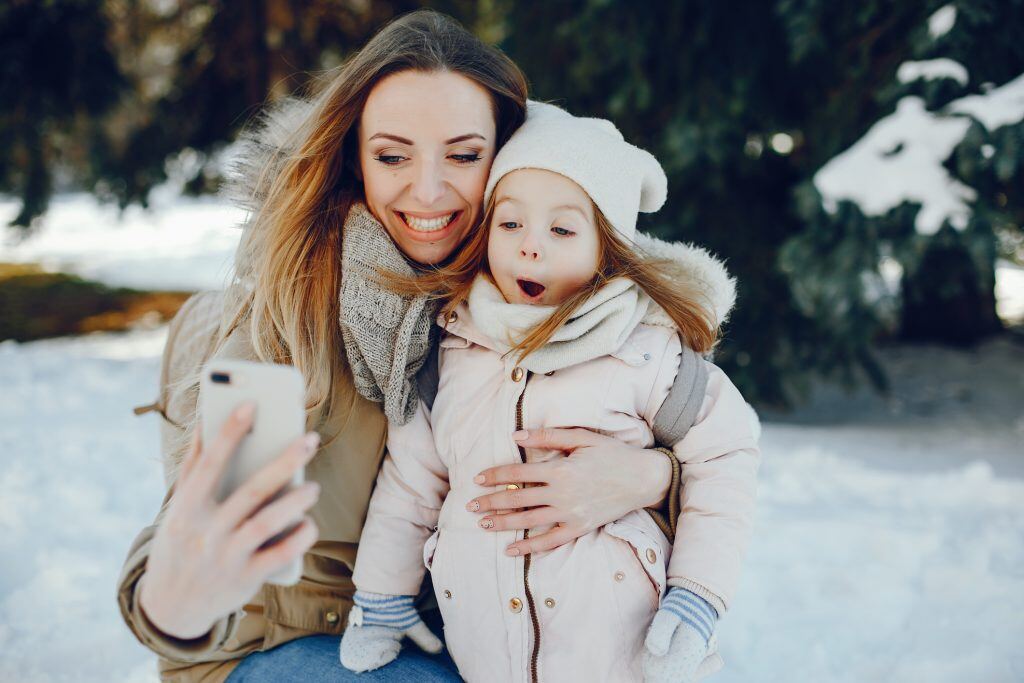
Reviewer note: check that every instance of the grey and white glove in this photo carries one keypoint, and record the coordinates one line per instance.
(681, 635)
(376, 626)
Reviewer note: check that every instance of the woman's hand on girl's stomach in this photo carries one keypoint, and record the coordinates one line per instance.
(599, 480)
(205, 561)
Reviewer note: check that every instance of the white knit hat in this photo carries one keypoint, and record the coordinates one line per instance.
(621, 178)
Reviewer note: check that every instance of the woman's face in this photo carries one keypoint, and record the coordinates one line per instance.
(426, 143)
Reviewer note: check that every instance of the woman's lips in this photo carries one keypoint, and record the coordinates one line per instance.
(420, 235)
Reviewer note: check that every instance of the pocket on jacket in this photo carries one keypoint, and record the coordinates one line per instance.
(428, 550)
(648, 544)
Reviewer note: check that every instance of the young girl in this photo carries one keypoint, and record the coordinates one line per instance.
(553, 319)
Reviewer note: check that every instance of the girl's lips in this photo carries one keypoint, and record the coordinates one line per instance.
(432, 235)
(530, 289)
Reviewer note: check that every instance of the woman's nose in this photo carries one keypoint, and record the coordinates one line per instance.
(429, 185)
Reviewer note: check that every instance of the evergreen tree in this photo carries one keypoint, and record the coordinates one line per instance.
(744, 104)
(58, 78)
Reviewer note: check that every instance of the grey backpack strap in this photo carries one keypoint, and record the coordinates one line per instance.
(679, 411)
(429, 376)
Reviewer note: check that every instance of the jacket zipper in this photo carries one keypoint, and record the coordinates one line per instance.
(526, 560)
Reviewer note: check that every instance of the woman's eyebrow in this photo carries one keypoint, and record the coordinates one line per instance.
(463, 138)
(406, 141)
(389, 136)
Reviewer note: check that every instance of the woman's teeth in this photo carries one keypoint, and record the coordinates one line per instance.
(428, 225)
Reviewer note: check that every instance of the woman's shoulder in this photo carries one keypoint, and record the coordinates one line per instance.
(203, 319)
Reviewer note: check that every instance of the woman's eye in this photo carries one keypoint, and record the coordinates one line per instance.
(389, 159)
(508, 225)
(466, 158)
(562, 232)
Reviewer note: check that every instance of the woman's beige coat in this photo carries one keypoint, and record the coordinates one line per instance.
(346, 468)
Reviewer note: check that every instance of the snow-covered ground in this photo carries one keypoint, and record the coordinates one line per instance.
(888, 547)
(186, 244)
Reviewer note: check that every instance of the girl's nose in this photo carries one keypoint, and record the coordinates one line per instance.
(529, 249)
(429, 185)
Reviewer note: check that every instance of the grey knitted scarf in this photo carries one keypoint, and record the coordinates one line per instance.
(387, 336)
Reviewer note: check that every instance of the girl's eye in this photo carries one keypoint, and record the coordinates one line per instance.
(466, 158)
(389, 159)
(562, 232)
(508, 225)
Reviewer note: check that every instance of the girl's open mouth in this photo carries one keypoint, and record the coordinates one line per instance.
(529, 288)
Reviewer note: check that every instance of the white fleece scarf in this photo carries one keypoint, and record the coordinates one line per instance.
(598, 327)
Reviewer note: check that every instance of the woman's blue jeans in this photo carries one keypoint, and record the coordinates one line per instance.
(315, 659)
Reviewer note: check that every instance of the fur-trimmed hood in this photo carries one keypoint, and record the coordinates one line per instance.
(267, 141)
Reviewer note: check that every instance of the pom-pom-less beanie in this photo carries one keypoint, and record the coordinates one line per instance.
(621, 178)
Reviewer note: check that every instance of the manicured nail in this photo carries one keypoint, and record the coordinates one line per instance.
(486, 523)
(511, 550)
(311, 441)
(245, 411)
(520, 435)
(478, 479)
(473, 505)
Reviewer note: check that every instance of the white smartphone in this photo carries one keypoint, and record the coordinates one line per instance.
(280, 418)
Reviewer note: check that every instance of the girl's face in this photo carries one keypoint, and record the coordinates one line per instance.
(426, 142)
(543, 244)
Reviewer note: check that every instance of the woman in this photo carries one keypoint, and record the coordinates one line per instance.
(393, 155)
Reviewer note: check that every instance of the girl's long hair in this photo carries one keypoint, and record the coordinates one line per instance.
(663, 280)
(290, 255)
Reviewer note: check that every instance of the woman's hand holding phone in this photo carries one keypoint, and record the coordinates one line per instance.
(206, 559)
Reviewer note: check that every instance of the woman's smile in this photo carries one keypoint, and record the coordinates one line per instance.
(430, 228)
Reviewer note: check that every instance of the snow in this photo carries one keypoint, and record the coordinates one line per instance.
(998, 107)
(1010, 292)
(889, 542)
(941, 21)
(900, 159)
(187, 244)
(932, 69)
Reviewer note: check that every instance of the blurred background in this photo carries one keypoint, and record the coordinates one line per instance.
(860, 166)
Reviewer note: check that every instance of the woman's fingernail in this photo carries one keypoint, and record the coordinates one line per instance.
(486, 523)
(478, 479)
(512, 551)
(245, 411)
(473, 506)
(311, 441)
(520, 435)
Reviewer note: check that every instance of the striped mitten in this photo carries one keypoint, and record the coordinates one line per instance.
(376, 626)
(680, 637)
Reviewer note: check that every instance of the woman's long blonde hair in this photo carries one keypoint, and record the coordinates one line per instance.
(663, 280)
(290, 255)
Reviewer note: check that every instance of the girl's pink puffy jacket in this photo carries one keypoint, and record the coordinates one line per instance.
(579, 612)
